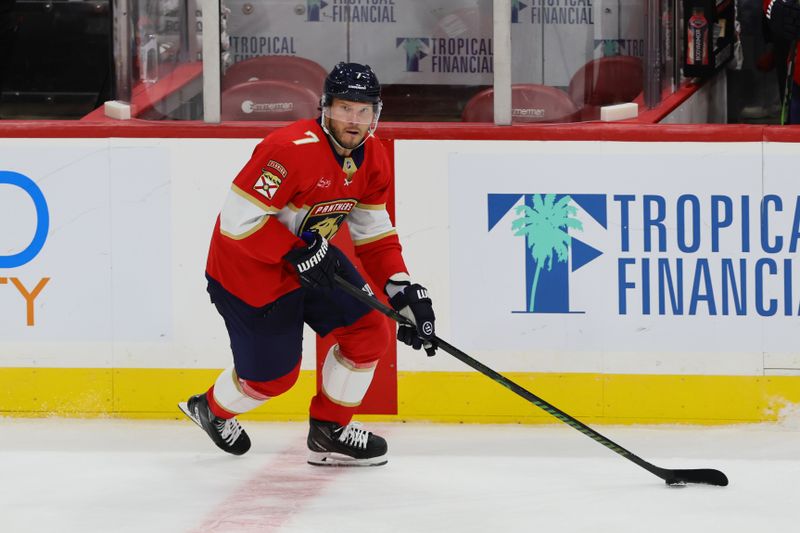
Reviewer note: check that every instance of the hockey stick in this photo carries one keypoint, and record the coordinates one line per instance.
(788, 85)
(706, 476)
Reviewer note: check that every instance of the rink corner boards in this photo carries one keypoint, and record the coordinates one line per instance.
(454, 397)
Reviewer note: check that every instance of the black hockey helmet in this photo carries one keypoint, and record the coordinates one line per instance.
(351, 81)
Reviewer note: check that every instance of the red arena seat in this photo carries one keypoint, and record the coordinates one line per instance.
(282, 68)
(269, 100)
(530, 103)
(607, 80)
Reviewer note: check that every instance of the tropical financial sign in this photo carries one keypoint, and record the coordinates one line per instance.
(692, 283)
(448, 55)
(372, 11)
(695, 252)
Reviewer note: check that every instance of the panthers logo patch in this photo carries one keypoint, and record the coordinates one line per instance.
(325, 218)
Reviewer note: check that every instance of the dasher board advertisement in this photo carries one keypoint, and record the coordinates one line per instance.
(85, 247)
(625, 247)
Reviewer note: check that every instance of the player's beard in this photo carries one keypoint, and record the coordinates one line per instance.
(347, 140)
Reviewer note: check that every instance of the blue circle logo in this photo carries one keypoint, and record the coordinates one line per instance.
(42, 219)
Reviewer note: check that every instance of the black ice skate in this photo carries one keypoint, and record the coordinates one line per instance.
(333, 445)
(228, 435)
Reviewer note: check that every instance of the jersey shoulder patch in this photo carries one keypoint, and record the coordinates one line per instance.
(267, 184)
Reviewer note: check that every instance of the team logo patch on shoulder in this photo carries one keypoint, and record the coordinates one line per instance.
(277, 166)
(267, 184)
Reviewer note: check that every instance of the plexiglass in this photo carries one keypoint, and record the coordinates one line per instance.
(435, 59)
(166, 64)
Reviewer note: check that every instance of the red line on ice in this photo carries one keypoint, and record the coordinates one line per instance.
(275, 493)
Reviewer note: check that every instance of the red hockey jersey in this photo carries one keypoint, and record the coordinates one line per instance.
(295, 182)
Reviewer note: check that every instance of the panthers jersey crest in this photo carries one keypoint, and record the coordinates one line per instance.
(325, 218)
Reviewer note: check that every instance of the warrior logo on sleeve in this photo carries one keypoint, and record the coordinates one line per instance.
(325, 218)
(267, 184)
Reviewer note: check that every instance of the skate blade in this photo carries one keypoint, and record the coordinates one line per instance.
(337, 459)
(183, 406)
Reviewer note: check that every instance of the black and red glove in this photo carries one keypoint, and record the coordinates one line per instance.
(412, 301)
(317, 263)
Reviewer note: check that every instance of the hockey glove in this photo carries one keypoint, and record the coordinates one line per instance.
(315, 264)
(784, 18)
(411, 300)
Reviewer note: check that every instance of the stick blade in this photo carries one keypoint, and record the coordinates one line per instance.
(702, 476)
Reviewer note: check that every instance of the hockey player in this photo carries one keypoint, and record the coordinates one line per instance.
(271, 268)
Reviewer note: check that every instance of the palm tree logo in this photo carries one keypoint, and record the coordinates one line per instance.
(314, 8)
(545, 225)
(516, 7)
(415, 49)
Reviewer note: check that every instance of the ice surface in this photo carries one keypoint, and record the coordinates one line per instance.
(145, 476)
